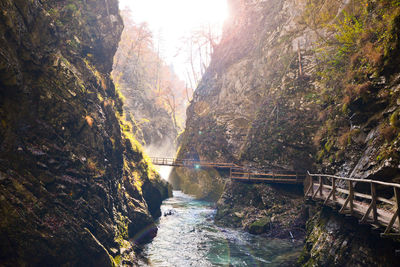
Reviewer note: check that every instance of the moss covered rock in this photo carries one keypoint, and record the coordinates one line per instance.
(260, 226)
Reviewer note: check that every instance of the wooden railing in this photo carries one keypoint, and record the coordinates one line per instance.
(190, 163)
(237, 173)
(332, 190)
(369, 207)
(243, 174)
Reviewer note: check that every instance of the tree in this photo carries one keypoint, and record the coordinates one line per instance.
(200, 45)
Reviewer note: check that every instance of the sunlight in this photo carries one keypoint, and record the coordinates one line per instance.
(172, 20)
(178, 15)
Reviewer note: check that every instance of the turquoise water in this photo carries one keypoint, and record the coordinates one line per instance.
(189, 237)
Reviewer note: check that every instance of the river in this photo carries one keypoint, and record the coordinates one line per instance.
(189, 237)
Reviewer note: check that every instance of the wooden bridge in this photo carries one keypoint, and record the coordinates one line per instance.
(190, 163)
(348, 195)
(236, 172)
(370, 208)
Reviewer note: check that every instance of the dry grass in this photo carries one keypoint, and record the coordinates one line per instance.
(344, 139)
(373, 54)
(89, 121)
(388, 132)
(354, 91)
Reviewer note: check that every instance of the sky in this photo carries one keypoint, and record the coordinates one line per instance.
(171, 20)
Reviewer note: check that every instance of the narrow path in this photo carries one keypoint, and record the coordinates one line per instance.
(370, 208)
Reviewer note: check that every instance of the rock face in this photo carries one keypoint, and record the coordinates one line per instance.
(73, 187)
(252, 91)
(250, 108)
(140, 76)
(252, 101)
(276, 211)
(274, 98)
(333, 240)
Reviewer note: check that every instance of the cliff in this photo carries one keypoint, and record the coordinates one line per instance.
(153, 92)
(295, 85)
(74, 185)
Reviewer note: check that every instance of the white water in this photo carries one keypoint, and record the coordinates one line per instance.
(189, 237)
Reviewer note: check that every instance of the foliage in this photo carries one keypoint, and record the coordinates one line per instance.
(351, 54)
(140, 71)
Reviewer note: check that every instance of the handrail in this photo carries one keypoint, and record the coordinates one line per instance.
(237, 173)
(327, 193)
(356, 180)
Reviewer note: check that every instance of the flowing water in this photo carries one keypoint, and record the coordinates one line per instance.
(189, 237)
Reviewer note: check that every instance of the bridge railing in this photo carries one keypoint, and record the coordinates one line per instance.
(243, 174)
(190, 163)
(369, 206)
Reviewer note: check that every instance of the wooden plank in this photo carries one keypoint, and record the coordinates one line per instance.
(309, 189)
(316, 191)
(397, 185)
(390, 225)
(327, 198)
(356, 194)
(312, 187)
(391, 235)
(334, 189)
(397, 199)
(351, 196)
(344, 205)
(373, 203)
(321, 186)
(364, 218)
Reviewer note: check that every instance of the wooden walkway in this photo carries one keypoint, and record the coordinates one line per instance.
(275, 177)
(338, 192)
(236, 172)
(190, 163)
(341, 192)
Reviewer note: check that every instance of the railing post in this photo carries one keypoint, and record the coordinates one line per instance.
(351, 196)
(397, 199)
(309, 184)
(333, 189)
(373, 203)
(396, 214)
(320, 186)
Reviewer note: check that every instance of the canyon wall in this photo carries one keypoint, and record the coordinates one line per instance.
(75, 187)
(296, 85)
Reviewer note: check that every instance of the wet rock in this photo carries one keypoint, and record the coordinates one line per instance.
(169, 212)
(262, 209)
(260, 226)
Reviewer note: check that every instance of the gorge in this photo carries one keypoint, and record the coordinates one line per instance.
(292, 86)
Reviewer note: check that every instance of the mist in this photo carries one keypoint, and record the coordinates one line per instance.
(166, 149)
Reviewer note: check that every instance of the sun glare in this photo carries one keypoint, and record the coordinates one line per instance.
(171, 20)
(183, 14)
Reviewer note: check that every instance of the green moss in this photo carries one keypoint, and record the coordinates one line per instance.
(259, 226)
(71, 7)
(122, 228)
(118, 260)
(320, 154)
(328, 145)
(395, 119)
